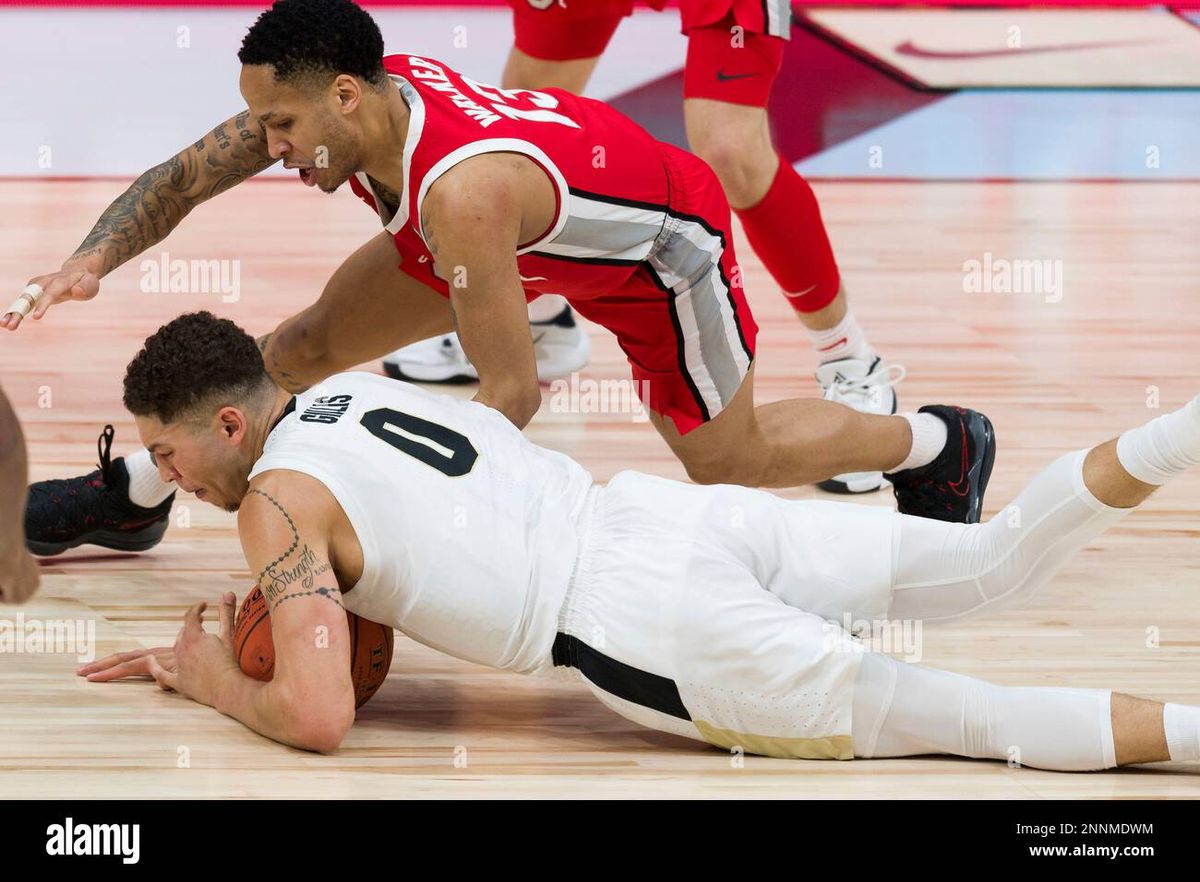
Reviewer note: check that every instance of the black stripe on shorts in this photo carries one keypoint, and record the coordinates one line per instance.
(619, 679)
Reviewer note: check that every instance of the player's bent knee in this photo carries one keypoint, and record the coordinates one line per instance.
(734, 165)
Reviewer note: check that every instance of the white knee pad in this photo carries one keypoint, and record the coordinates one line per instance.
(949, 571)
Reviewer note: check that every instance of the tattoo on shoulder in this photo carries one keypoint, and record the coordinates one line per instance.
(295, 572)
(427, 228)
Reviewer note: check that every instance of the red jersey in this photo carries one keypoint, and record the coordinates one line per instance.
(608, 175)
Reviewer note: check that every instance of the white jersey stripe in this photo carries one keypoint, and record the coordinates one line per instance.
(586, 208)
(501, 145)
(778, 14)
(416, 125)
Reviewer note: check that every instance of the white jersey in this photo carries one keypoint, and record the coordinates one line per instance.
(469, 532)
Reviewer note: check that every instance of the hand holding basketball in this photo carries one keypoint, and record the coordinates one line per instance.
(370, 647)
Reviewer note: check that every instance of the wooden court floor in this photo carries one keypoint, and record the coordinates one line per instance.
(1055, 370)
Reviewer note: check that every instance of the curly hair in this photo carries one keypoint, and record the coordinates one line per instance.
(192, 361)
(304, 38)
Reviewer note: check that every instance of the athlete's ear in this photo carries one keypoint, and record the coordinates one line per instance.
(349, 92)
(233, 424)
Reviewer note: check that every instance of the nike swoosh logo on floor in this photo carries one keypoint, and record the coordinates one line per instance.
(913, 51)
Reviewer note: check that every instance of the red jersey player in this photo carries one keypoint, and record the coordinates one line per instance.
(735, 48)
(489, 197)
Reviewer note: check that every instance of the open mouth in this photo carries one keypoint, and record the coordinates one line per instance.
(308, 176)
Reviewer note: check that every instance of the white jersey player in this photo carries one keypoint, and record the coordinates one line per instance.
(719, 613)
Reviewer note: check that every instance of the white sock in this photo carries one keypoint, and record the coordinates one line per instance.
(846, 339)
(547, 307)
(1163, 447)
(1182, 725)
(929, 436)
(146, 488)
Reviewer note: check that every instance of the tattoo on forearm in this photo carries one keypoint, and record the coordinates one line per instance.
(160, 198)
(295, 572)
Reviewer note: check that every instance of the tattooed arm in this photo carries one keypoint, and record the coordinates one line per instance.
(153, 206)
(293, 531)
(285, 523)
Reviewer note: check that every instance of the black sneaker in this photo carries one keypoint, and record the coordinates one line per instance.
(951, 487)
(93, 510)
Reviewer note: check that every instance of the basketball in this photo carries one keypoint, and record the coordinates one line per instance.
(370, 647)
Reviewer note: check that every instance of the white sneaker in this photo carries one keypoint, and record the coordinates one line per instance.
(866, 388)
(560, 347)
(436, 360)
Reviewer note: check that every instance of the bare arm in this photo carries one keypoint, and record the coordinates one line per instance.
(285, 523)
(153, 206)
(309, 702)
(471, 220)
(18, 572)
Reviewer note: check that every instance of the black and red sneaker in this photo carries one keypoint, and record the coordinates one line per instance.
(951, 487)
(92, 510)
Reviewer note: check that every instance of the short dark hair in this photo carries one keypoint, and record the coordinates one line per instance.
(316, 37)
(194, 360)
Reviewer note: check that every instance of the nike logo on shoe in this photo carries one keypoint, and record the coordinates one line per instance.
(957, 487)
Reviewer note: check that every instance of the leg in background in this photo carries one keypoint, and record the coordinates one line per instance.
(947, 571)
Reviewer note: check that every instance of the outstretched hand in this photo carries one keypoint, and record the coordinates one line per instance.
(195, 666)
(73, 282)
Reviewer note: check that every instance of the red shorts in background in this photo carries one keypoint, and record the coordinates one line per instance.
(726, 62)
(772, 18)
(552, 31)
(735, 47)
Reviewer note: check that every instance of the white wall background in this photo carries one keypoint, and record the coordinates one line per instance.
(113, 92)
